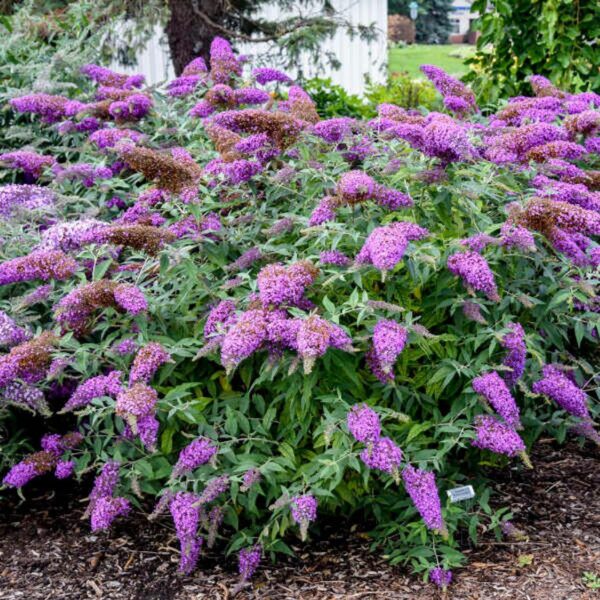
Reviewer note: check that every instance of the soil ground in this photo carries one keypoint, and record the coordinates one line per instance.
(48, 553)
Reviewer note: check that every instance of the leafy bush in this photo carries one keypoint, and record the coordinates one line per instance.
(252, 317)
(556, 39)
(404, 91)
(333, 100)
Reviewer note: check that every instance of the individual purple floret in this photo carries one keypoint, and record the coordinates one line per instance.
(422, 489)
(199, 452)
(440, 577)
(492, 434)
(385, 246)
(363, 424)
(558, 387)
(383, 455)
(475, 272)
(106, 510)
(493, 388)
(514, 342)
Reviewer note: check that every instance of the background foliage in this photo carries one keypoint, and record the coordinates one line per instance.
(554, 38)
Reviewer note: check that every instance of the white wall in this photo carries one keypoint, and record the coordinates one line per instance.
(358, 57)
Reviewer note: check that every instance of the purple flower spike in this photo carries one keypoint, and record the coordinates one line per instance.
(493, 388)
(363, 423)
(558, 387)
(422, 489)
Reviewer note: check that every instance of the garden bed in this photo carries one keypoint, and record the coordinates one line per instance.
(48, 552)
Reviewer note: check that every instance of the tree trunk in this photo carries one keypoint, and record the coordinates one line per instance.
(188, 34)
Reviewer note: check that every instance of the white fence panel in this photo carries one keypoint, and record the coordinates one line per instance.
(357, 57)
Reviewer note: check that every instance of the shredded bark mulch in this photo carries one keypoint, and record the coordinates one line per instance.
(47, 552)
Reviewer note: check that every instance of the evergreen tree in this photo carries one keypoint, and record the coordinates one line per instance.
(301, 25)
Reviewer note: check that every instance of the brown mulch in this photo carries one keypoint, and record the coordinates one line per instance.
(47, 552)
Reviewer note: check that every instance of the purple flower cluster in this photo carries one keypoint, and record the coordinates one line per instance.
(357, 186)
(285, 285)
(264, 75)
(110, 138)
(84, 172)
(386, 245)
(492, 434)
(220, 318)
(457, 97)
(40, 264)
(315, 335)
(514, 342)
(24, 198)
(186, 515)
(383, 455)
(31, 163)
(363, 423)
(147, 361)
(248, 560)
(422, 489)
(95, 387)
(558, 387)
(193, 73)
(334, 257)
(493, 388)
(440, 577)
(10, 333)
(475, 272)
(389, 339)
(199, 452)
(224, 65)
(104, 76)
(324, 212)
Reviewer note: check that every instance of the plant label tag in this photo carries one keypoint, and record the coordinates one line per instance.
(466, 492)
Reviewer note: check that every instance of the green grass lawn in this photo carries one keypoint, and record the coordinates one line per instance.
(448, 57)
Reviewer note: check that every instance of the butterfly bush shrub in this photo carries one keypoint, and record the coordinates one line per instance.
(250, 319)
